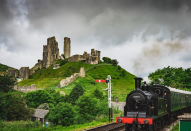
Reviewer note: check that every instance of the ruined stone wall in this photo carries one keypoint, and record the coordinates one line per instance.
(76, 58)
(26, 89)
(12, 72)
(68, 80)
(36, 66)
(24, 72)
(67, 47)
(93, 59)
(50, 52)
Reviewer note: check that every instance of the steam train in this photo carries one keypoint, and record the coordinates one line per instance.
(150, 107)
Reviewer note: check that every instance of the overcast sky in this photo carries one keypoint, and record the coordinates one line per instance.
(143, 35)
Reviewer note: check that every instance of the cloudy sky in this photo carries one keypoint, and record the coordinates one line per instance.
(143, 35)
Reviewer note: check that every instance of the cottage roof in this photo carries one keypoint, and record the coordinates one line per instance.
(40, 113)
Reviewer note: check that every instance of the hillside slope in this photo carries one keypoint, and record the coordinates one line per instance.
(3, 67)
(122, 83)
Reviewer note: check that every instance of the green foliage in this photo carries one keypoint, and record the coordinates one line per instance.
(98, 94)
(89, 107)
(174, 77)
(123, 73)
(114, 62)
(13, 107)
(6, 83)
(19, 125)
(76, 92)
(3, 104)
(63, 56)
(119, 67)
(63, 114)
(106, 60)
(36, 98)
(3, 68)
(99, 62)
(62, 62)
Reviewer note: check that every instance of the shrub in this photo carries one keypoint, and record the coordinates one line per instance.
(62, 62)
(106, 59)
(119, 67)
(98, 94)
(114, 62)
(76, 92)
(63, 114)
(6, 83)
(35, 98)
(89, 107)
(16, 108)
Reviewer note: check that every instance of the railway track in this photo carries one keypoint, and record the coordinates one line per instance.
(109, 127)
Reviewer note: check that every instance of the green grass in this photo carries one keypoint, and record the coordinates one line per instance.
(31, 126)
(49, 77)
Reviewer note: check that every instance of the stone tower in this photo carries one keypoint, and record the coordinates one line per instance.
(24, 72)
(50, 52)
(67, 47)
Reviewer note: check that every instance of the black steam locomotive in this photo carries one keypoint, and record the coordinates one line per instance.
(150, 107)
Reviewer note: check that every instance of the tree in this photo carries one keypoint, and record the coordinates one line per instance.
(76, 92)
(6, 83)
(98, 94)
(63, 114)
(17, 108)
(13, 107)
(3, 104)
(106, 59)
(114, 62)
(36, 98)
(88, 107)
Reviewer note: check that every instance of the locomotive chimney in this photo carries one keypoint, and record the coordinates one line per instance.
(138, 82)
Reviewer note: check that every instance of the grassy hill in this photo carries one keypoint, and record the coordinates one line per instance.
(50, 77)
(3, 68)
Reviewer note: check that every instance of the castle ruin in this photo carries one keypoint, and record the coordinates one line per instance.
(51, 54)
(94, 58)
(67, 47)
(24, 72)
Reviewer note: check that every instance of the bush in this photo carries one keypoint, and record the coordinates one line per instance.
(13, 107)
(63, 114)
(89, 107)
(98, 94)
(6, 83)
(76, 92)
(62, 62)
(36, 98)
(114, 62)
(123, 73)
(106, 59)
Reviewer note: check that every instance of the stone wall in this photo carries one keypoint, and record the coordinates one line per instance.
(39, 65)
(12, 72)
(94, 58)
(24, 72)
(67, 47)
(26, 89)
(119, 105)
(68, 80)
(76, 58)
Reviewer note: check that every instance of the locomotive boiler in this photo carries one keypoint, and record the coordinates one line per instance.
(150, 107)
